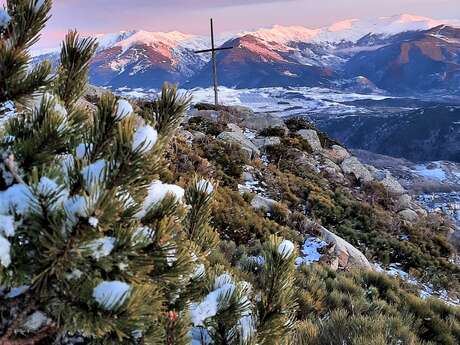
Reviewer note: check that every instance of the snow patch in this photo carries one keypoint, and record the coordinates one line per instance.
(157, 191)
(110, 294)
(5, 258)
(124, 109)
(144, 139)
(100, 247)
(205, 186)
(286, 248)
(94, 173)
(310, 251)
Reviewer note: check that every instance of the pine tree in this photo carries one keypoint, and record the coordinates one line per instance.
(92, 244)
(94, 248)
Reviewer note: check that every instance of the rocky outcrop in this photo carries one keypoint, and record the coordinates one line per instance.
(234, 128)
(337, 154)
(262, 121)
(332, 170)
(267, 141)
(246, 145)
(93, 92)
(352, 166)
(404, 202)
(86, 105)
(409, 215)
(262, 203)
(342, 254)
(347, 255)
(311, 136)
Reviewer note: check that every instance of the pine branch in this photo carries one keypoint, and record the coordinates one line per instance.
(72, 75)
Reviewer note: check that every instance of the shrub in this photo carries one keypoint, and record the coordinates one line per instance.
(201, 124)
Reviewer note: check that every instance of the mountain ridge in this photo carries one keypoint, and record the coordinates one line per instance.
(288, 56)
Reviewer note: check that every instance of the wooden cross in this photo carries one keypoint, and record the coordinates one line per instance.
(213, 50)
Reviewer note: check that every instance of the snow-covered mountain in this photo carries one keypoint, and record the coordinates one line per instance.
(350, 30)
(385, 47)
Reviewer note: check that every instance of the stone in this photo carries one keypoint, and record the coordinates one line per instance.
(303, 160)
(389, 182)
(198, 135)
(267, 141)
(211, 115)
(352, 166)
(85, 105)
(262, 121)
(247, 146)
(234, 128)
(35, 322)
(409, 215)
(311, 136)
(421, 211)
(337, 154)
(392, 185)
(332, 169)
(262, 203)
(404, 202)
(344, 255)
(242, 189)
(248, 176)
(94, 92)
(348, 256)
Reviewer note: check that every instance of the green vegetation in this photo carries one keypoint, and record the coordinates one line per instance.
(369, 308)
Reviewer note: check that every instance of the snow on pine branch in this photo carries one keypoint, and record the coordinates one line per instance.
(111, 294)
(286, 248)
(157, 191)
(144, 139)
(124, 109)
(205, 186)
(224, 287)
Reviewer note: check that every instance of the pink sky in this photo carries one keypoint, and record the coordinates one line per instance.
(191, 16)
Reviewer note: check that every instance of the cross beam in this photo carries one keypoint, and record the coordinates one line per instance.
(213, 51)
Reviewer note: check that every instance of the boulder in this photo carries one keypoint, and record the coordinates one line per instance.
(267, 141)
(234, 128)
(248, 174)
(198, 135)
(332, 169)
(392, 185)
(404, 202)
(343, 254)
(246, 145)
(311, 136)
(337, 154)
(352, 166)
(303, 160)
(94, 92)
(242, 189)
(262, 121)
(212, 115)
(409, 215)
(348, 256)
(261, 203)
(389, 182)
(85, 105)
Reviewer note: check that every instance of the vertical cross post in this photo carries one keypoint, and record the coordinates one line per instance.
(214, 67)
(213, 52)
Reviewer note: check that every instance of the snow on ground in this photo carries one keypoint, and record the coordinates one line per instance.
(283, 101)
(434, 171)
(425, 290)
(311, 251)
